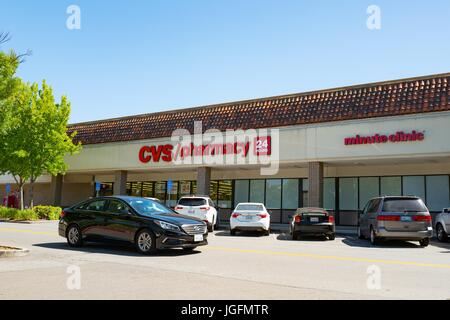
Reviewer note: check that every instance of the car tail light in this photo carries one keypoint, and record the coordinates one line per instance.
(235, 215)
(422, 218)
(331, 219)
(263, 215)
(388, 218)
(298, 219)
(62, 214)
(178, 208)
(204, 208)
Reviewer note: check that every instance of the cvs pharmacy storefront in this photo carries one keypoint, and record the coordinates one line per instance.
(334, 148)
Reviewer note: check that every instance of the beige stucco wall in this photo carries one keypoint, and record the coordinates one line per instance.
(299, 144)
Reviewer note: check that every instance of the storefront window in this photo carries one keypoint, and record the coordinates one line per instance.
(273, 194)
(135, 189)
(213, 190)
(106, 189)
(329, 193)
(257, 191)
(147, 189)
(194, 187)
(290, 194)
(437, 193)
(348, 194)
(369, 188)
(241, 191)
(414, 186)
(160, 191)
(225, 194)
(172, 195)
(391, 186)
(185, 188)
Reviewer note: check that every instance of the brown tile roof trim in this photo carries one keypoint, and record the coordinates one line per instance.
(389, 98)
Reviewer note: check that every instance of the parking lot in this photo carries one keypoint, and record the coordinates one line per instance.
(241, 267)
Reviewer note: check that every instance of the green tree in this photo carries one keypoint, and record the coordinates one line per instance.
(36, 140)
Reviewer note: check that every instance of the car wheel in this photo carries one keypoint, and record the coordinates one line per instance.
(373, 237)
(145, 242)
(360, 235)
(441, 234)
(332, 236)
(424, 242)
(233, 232)
(74, 236)
(295, 236)
(267, 232)
(210, 227)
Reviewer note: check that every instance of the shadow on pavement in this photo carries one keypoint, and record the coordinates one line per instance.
(112, 248)
(443, 245)
(306, 238)
(354, 241)
(245, 234)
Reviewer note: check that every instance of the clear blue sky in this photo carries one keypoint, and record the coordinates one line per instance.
(133, 57)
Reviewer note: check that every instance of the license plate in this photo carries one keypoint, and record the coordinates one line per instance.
(249, 217)
(198, 237)
(405, 219)
(191, 211)
(314, 219)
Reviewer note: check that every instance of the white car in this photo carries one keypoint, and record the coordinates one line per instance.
(443, 225)
(250, 217)
(199, 207)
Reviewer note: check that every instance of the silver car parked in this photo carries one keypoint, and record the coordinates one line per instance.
(443, 225)
(402, 218)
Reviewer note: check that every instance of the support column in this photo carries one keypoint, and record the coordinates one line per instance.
(120, 183)
(315, 177)
(56, 190)
(203, 180)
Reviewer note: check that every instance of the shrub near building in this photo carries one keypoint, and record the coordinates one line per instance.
(37, 213)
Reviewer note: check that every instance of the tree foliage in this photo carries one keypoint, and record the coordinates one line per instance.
(33, 127)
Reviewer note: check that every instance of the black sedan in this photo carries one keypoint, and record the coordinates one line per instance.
(312, 221)
(146, 223)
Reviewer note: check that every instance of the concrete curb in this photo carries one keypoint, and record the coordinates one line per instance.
(12, 252)
(27, 221)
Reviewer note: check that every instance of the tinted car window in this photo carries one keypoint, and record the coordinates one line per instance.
(97, 205)
(117, 206)
(192, 202)
(250, 207)
(148, 207)
(374, 206)
(401, 205)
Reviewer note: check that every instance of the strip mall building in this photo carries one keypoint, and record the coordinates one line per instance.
(337, 148)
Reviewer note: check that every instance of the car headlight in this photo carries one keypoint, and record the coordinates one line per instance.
(167, 226)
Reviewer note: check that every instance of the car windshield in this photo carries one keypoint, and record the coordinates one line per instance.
(192, 202)
(402, 205)
(148, 207)
(249, 207)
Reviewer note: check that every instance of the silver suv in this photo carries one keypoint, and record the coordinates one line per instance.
(443, 225)
(402, 218)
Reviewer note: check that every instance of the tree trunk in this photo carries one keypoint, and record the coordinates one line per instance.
(21, 194)
(31, 193)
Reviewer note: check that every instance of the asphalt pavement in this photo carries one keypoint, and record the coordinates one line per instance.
(246, 266)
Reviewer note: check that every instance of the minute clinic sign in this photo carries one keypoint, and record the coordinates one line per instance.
(398, 137)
